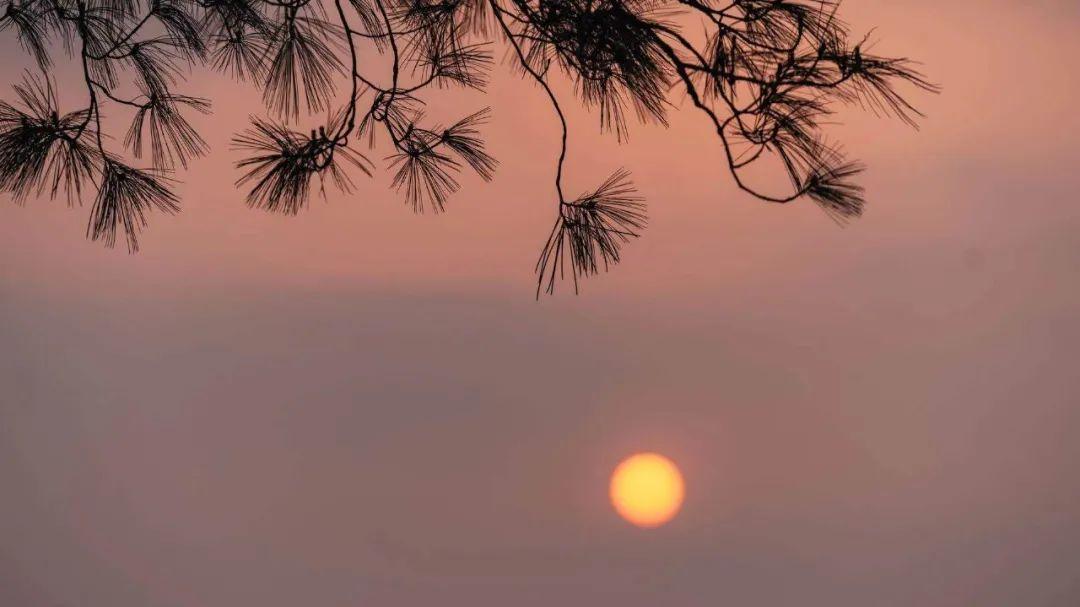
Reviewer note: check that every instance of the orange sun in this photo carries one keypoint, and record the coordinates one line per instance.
(647, 489)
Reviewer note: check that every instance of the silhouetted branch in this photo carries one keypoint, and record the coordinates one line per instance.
(764, 74)
(124, 198)
(590, 231)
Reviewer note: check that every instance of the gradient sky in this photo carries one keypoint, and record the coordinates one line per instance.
(359, 406)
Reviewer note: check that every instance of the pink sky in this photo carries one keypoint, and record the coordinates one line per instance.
(363, 406)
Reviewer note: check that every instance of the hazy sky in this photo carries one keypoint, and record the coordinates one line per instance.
(359, 406)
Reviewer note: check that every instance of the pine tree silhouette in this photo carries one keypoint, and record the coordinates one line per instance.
(763, 75)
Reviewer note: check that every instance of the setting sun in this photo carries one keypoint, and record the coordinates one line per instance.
(647, 489)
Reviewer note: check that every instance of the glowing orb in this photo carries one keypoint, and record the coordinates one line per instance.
(647, 489)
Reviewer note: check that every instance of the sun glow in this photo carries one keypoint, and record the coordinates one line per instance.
(647, 489)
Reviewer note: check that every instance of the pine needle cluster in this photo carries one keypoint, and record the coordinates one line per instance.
(765, 75)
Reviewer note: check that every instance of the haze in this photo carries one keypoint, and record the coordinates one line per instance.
(359, 406)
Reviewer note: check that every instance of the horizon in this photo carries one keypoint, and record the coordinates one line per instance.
(359, 405)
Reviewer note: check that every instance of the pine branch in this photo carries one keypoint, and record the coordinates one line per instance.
(767, 76)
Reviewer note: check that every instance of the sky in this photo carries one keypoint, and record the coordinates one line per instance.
(361, 406)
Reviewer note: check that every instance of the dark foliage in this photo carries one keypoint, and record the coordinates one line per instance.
(124, 198)
(42, 150)
(283, 164)
(172, 139)
(591, 231)
(764, 74)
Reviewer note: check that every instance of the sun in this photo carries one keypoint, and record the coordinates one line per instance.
(647, 489)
